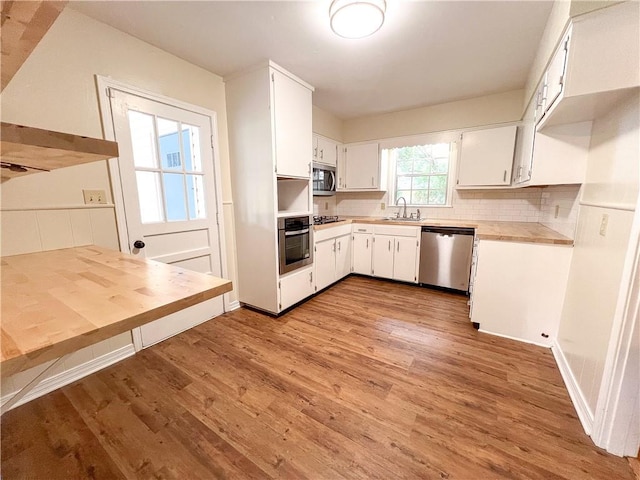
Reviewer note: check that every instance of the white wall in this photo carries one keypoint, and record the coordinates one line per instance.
(55, 89)
(596, 268)
(567, 200)
(327, 124)
(473, 112)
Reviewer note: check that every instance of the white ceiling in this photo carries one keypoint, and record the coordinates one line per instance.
(426, 53)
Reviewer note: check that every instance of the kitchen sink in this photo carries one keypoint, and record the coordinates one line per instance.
(401, 219)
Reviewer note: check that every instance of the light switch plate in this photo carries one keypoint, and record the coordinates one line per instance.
(382, 206)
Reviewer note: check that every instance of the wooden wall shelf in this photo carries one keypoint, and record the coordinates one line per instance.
(26, 150)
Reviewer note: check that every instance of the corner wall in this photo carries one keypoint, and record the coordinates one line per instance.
(55, 89)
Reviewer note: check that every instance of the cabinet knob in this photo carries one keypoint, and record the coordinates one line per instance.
(139, 244)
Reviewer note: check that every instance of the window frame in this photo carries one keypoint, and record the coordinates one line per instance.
(452, 138)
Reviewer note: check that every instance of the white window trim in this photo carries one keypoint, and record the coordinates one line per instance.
(452, 137)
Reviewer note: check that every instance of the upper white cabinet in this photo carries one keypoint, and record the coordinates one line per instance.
(292, 112)
(359, 167)
(486, 157)
(325, 150)
(596, 63)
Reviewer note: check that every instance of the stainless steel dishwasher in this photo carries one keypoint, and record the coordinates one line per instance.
(445, 257)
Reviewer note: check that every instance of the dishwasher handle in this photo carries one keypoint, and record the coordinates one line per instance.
(448, 231)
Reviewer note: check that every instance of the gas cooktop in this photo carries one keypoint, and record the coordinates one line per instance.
(325, 219)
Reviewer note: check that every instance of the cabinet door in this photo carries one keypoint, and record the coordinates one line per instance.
(362, 247)
(405, 259)
(486, 157)
(325, 263)
(555, 73)
(291, 126)
(343, 256)
(524, 145)
(383, 246)
(362, 167)
(295, 287)
(327, 151)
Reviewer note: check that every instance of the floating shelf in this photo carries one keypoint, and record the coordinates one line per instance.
(26, 150)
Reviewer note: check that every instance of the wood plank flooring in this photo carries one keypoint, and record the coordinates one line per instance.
(368, 380)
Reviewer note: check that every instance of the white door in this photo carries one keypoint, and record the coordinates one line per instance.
(362, 253)
(362, 166)
(383, 246)
(325, 263)
(343, 256)
(326, 151)
(405, 259)
(169, 191)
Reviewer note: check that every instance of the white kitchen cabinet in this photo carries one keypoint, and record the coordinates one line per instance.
(362, 248)
(295, 287)
(359, 167)
(524, 146)
(596, 65)
(325, 150)
(269, 128)
(291, 110)
(332, 255)
(486, 157)
(519, 289)
(395, 252)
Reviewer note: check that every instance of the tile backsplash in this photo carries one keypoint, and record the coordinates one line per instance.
(534, 204)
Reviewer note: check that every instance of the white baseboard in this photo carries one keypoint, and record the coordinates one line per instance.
(579, 402)
(234, 306)
(515, 338)
(76, 373)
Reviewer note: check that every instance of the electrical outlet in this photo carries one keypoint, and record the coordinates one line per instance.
(94, 196)
(557, 211)
(603, 224)
(382, 206)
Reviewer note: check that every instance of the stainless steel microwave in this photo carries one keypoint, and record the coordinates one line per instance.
(324, 180)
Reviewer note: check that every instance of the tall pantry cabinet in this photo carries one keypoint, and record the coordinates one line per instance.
(269, 114)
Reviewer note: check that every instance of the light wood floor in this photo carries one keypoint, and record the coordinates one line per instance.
(370, 380)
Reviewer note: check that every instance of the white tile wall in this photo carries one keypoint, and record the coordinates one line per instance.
(567, 199)
(534, 204)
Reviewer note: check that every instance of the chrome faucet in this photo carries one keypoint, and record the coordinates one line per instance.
(404, 212)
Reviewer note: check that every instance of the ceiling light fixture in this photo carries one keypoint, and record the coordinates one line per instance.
(356, 18)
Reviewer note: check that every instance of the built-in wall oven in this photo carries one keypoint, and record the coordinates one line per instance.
(295, 240)
(324, 180)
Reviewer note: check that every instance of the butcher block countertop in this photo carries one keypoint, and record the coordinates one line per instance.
(528, 232)
(59, 301)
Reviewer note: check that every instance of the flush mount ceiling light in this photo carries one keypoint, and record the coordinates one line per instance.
(356, 18)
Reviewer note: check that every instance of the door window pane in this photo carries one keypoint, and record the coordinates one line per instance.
(169, 141)
(191, 146)
(175, 196)
(149, 197)
(195, 196)
(143, 139)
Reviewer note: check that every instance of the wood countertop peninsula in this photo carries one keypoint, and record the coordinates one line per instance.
(59, 301)
(528, 232)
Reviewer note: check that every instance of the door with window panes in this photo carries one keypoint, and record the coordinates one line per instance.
(167, 175)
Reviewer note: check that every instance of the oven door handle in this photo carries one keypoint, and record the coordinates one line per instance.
(296, 232)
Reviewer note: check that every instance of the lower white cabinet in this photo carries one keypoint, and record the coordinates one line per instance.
(332, 255)
(362, 248)
(395, 253)
(295, 287)
(519, 289)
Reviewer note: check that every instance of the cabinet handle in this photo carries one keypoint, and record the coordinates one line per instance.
(389, 245)
(504, 177)
(315, 152)
(322, 153)
(367, 243)
(519, 172)
(398, 247)
(339, 245)
(372, 184)
(334, 247)
(310, 277)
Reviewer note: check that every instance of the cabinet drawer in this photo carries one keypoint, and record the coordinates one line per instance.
(362, 228)
(332, 232)
(396, 230)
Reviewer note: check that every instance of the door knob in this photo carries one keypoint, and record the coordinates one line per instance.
(138, 244)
